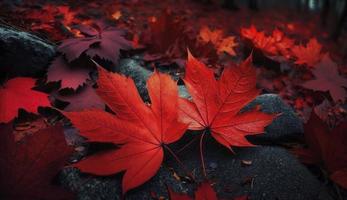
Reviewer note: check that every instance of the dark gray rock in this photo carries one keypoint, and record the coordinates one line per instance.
(22, 53)
(273, 174)
(133, 68)
(287, 126)
(183, 92)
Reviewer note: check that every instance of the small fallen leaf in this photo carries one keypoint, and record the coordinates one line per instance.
(82, 99)
(69, 77)
(327, 78)
(18, 93)
(100, 40)
(309, 54)
(216, 37)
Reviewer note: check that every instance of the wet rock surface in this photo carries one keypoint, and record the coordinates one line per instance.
(288, 126)
(23, 54)
(270, 173)
(132, 68)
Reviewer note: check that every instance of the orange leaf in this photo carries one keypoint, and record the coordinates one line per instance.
(309, 54)
(216, 37)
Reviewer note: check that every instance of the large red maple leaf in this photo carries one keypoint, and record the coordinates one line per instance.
(216, 104)
(28, 168)
(17, 93)
(327, 147)
(100, 40)
(144, 129)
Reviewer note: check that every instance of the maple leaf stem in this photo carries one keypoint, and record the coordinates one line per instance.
(201, 154)
(180, 162)
(187, 145)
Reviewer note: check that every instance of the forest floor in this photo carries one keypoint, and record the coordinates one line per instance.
(292, 51)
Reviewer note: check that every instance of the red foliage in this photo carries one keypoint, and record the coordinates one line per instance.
(144, 130)
(168, 38)
(275, 45)
(327, 78)
(327, 147)
(82, 99)
(100, 40)
(216, 104)
(221, 43)
(309, 55)
(60, 71)
(28, 168)
(17, 93)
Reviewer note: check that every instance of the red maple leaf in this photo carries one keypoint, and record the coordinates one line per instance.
(100, 40)
(326, 147)
(282, 43)
(68, 77)
(17, 93)
(204, 192)
(309, 55)
(82, 99)
(216, 37)
(143, 129)
(216, 104)
(273, 45)
(28, 168)
(259, 40)
(327, 78)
